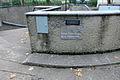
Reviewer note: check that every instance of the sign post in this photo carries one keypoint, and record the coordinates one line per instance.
(0, 23)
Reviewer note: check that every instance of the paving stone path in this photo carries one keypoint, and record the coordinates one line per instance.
(15, 47)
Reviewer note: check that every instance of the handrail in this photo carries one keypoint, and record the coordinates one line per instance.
(46, 8)
(14, 24)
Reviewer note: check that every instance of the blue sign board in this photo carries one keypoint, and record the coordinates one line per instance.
(42, 24)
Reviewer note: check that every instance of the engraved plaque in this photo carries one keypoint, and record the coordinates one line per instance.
(72, 22)
(71, 32)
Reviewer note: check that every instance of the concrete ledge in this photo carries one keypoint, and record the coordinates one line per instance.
(45, 13)
(66, 61)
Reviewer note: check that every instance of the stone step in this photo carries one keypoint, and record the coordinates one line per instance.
(52, 60)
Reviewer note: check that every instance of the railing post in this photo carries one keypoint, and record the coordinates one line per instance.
(0, 22)
(65, 5)
(109, 1)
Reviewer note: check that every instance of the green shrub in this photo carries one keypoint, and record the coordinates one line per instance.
(92, 3)
(15, 2)
(56, 1)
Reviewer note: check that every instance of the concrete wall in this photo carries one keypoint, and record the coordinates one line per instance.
(106, 2)
(101, 2)
(15, 14)
(78, 7)
(74, 7)
(98, 33)
(116, 2)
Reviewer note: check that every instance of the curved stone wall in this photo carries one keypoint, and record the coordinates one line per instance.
(97, 31)
(15, 14)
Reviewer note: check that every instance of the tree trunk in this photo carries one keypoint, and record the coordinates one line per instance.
(48, 1)
(21, 2)
(109, 2)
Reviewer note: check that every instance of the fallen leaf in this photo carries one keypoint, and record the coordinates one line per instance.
(79, 74)
(22, 39)
(26, 36)
(27, 53)
(8, 51)
(31, 68)
(26, 32)
(71, 68)
(116, 57)
(23, 42)
(12, 76)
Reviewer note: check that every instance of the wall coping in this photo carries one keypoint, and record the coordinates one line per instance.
(47, 13)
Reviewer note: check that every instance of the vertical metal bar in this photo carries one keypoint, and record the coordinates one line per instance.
(112, 1)
(108, 1)
(0, 23)
(65, 5)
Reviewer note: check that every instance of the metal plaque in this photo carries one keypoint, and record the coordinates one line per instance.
(71, 32)
(42, 24)
(72, 22)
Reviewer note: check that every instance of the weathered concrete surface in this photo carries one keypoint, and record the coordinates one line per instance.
(13, 41)
(8, 67)
(15, 14)
(74, 7)
(6, 76)
(72, 60)
(98, 33)
(8, 27)
(22, 72)
(78, 7)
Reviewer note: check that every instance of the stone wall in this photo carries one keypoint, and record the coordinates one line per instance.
(15, 14)
(74, 7)
(79, 7)
(97, 33)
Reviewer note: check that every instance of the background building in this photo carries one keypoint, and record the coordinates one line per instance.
(108, 2)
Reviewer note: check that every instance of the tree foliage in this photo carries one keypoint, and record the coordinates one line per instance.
(48, 1)
(16, 2)
(44, 2)
(72, 1)
(92, 3)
